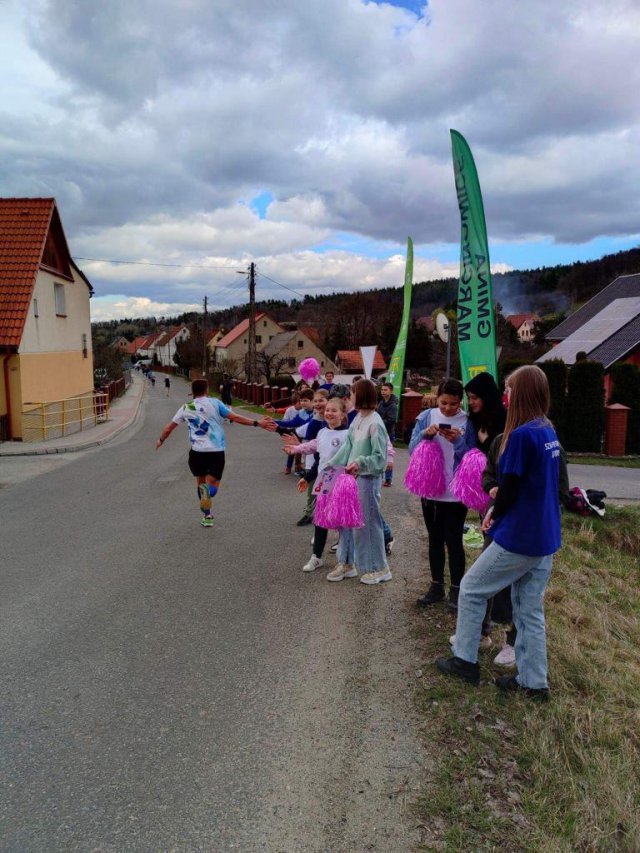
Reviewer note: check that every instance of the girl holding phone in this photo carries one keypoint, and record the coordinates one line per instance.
(444, 517)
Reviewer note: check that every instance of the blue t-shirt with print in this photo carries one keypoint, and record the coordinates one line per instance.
(531, 526)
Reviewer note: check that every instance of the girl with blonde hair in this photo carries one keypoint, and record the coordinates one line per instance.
(525, 528)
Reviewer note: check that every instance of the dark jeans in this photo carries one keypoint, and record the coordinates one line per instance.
(319, 540)
(445, 523)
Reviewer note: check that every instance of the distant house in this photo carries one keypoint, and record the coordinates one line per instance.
(121, 344)
(134, 346)
(350, 361)
(286, 350)
(524, 326)
(45, 324)
(164, 347)
(146, 348)
(235, 344)
(212, 339)
(606, 328)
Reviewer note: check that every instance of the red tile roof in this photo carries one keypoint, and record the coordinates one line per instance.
(238, 330)
(24, 225)
(352, 360)
(517, 320)
(312, 333)
(150, 340)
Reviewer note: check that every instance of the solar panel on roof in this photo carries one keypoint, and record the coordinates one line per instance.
(595, 331)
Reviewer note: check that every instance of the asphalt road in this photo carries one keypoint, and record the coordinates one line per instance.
(168, 687)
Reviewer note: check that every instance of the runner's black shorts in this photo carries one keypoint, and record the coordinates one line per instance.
(205, 462)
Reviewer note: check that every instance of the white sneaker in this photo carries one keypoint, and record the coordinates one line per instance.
(376, 577)
(334, 547)
(485, 642)
(313, 564)
(341, 571)
(507, 657)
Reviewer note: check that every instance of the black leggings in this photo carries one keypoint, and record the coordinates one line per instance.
(319, 540)
(445, 525)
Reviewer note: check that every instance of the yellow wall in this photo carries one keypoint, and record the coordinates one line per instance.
(55, 376)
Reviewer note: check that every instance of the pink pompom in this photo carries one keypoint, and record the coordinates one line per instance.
(309, 369)
(425, 474)
(321, 518)
(466, 485)
(344, 508)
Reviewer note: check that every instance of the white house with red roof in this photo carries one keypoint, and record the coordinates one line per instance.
(45, 324)
(524, 325)
(164, 347)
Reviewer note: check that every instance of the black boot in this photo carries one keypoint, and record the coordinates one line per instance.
(434, 594)
(510, 682)
(460, 668)
(452, 603)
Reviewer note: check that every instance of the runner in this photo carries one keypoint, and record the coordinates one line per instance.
(204, 416)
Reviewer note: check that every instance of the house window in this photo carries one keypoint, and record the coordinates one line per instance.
(300, 344)
(270, 337)
(244, 341)
(264, 323)
(85, 351)
(35, 308)
(322, 364)
(258, 339)
(292, 362)
(59, 297)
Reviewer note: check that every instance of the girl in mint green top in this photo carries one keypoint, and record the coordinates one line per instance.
(364, 456)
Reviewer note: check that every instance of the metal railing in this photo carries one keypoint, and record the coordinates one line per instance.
(57, 418)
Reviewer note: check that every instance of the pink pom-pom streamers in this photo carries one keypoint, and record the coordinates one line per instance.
(321, 518)
(309, 369)
(466, 485)
(425, 474)
(344, 508)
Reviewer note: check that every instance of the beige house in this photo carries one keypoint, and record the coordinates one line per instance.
(235, 344)
(285, 351)
(45, 325)
(279, 349)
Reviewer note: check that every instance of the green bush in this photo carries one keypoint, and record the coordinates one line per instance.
(556, 372)
(283, 380)
(506, 367)
(626, 390)
(585, 407)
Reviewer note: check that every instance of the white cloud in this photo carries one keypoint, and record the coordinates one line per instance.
(151, 122)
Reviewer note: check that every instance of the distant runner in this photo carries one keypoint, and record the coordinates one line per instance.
(204, 416)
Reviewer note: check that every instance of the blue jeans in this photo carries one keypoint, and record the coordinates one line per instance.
(364, 547)
(495, 569)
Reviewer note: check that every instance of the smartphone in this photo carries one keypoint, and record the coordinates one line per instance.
(444, 426)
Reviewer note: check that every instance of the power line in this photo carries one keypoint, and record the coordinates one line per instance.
(155, 264)
(290, 289)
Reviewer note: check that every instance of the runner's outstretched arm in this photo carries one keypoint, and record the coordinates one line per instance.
(264, 423)
(166, 432)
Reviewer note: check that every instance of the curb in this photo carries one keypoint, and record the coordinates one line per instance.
(76, 448)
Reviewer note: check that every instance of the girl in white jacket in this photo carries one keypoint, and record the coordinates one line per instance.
(326, 444)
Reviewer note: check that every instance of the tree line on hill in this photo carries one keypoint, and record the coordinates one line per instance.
(349, 320)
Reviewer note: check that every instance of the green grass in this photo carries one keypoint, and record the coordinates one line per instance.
(515, 775)
(611, 461)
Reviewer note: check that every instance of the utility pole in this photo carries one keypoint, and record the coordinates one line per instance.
(205, 325)
(251, 371)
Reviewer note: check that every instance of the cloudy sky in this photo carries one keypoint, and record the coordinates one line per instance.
(312, 136)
